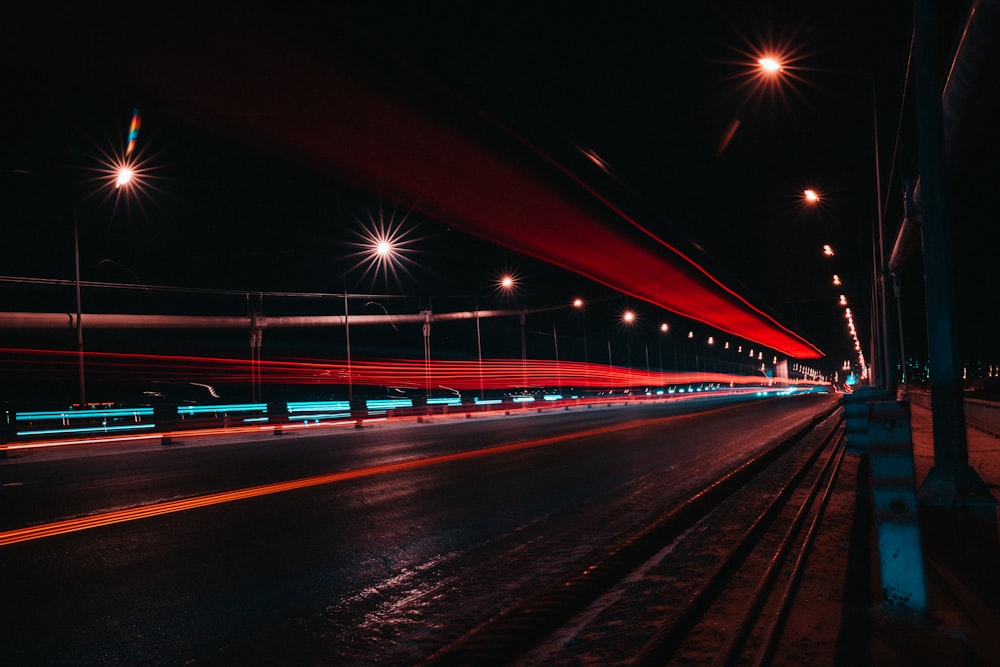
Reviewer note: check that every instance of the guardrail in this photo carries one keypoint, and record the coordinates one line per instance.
(979, 414)
(99, 421)
(82, 422)
(984, 415)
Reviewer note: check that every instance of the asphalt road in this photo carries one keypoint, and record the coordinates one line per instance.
(376, 545)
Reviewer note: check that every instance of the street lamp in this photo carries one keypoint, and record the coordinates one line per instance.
(123, 173)
(508, 284)
(580, 305)
(124, 176)
(770, 64)
(659, 347)
(628, 318)
(382, 249)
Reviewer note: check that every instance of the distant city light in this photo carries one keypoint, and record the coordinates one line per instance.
(828, 251)
(811, 196)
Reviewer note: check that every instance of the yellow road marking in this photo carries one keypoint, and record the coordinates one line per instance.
(184, 504)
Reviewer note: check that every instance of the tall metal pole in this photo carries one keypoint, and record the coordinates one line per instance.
(427, 355)
(885, 295)
(524, 356)
(586, 359)
(611, 368)
(555, 344)
(79, 314)
(479, 349)
(347, 334)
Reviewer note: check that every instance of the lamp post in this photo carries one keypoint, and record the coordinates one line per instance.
(79, 315)
(628, 319)
(580, 305)
(382, 249)
(479, 352)
(555, 344)
(347, 335)
(124, 177)
(664, 328)
(508, 283)
(427, 355)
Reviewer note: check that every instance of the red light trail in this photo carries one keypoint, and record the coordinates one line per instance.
(332, 121)
(464, 375)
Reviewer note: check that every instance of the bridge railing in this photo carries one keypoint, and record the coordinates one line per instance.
(979, 414)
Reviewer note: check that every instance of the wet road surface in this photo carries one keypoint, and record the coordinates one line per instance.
(378, 545)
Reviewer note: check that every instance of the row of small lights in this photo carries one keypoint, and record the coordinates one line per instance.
(629, 317)
(771, 66)
(812, 197)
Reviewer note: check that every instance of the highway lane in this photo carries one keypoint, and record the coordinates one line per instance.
(404, 537)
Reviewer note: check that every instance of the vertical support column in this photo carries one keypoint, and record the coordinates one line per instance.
(951, 482)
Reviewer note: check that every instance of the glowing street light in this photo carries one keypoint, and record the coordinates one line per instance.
(129, 177)
(508, 284)
(811, 196)
(836, 280)
(125, 176)
(659, 346)
(384, 247)
(770, 65)
(579, 304)
(628, 319)
(828, 250)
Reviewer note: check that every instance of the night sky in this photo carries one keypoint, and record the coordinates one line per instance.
(633, 100)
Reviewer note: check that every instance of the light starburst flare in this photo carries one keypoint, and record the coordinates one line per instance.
(384, 247)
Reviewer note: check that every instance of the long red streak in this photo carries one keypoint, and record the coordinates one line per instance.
(315, 113)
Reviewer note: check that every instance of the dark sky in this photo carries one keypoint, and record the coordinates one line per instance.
(650, 89)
